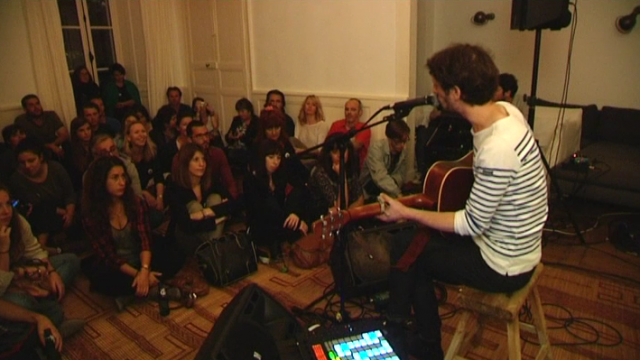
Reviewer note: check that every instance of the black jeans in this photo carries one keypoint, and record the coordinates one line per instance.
(454, 261)
(166, 258)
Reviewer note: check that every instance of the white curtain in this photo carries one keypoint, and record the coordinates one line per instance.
(53, 83)
(164, 27)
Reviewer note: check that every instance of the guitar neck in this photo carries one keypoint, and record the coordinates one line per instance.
(370, 210)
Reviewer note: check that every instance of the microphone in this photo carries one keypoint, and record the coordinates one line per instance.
(410, 104)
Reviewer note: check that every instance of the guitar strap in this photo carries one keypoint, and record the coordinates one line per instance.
(420, 240)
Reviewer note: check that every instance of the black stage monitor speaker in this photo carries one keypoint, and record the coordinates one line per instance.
(252, 326)
(366, 260)
(540, 14)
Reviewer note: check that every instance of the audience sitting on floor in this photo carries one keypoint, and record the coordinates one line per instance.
(174, 104)
(199, 205)
(112, 123)
(275, 99)
(119, 94)
(103, 145)
(171, 149)
(29, 277)
(46, 188)
(77, 159)
(144, 155)
(241, 135)
(44, 126)
(204, 112)
(12, 135)
(91, 113)
(351, 121)
(385, 169)
(271, 127)
(216, 159)
(274, 205)
(84, 88)
(324, 182)
(128, 260)
(312, 128)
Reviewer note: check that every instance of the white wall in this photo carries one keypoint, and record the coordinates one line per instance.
(16, 67)
(605, 67)
(333, 49)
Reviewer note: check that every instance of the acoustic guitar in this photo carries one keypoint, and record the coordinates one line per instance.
(446, 188)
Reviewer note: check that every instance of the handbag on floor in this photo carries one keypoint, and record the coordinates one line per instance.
(227, 259)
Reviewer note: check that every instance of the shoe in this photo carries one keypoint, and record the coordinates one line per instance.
(123, 301)
(190, 284)
(69, 327)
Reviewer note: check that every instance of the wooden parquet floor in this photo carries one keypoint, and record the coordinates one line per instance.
(591, 295)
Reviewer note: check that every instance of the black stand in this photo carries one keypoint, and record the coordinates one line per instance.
(532, 113)
(339, 245)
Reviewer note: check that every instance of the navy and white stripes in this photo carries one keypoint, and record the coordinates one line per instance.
(507, 208)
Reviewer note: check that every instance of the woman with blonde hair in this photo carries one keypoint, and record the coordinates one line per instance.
(143, 153)
(312, 127)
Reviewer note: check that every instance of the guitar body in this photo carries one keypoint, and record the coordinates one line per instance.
(446, 188)
(449, 183)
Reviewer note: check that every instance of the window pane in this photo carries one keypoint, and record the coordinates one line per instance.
(68, 12)
(103, 46)
(98, 12)
(73, 47)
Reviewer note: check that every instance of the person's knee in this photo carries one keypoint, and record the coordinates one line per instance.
(67, 265)
(21, 299)
(214, 199)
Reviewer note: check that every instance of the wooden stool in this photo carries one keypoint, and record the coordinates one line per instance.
(505, 308)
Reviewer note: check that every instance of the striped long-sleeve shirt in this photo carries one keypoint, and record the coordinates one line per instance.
(507, 208)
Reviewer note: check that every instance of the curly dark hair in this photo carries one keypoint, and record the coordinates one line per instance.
(470, 68)
(95, 197)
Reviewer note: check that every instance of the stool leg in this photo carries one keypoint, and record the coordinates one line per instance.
(541, 326)
(458, 337)
(513, 338)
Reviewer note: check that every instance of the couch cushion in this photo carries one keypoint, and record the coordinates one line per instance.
(616, 166)
(590, 116)
(619, 125)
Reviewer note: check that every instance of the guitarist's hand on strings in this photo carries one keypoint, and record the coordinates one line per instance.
(391, 209)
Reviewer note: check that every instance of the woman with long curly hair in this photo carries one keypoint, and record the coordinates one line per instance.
(128, 260)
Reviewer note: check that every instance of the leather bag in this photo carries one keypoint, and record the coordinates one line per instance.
(227, 259)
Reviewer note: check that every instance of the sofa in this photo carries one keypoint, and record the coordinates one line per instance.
(607, 167)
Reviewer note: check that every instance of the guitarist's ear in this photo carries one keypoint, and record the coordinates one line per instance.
(455, 92)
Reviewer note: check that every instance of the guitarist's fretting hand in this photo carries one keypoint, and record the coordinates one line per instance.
(393, 209)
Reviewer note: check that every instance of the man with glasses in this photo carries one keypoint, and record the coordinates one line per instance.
(386, 165)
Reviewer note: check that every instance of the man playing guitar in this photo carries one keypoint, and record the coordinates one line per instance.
(503, 218)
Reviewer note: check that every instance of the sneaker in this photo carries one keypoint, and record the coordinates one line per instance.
(69, 327)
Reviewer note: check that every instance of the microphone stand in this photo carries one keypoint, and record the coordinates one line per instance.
(339, 245)
(531, 118)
